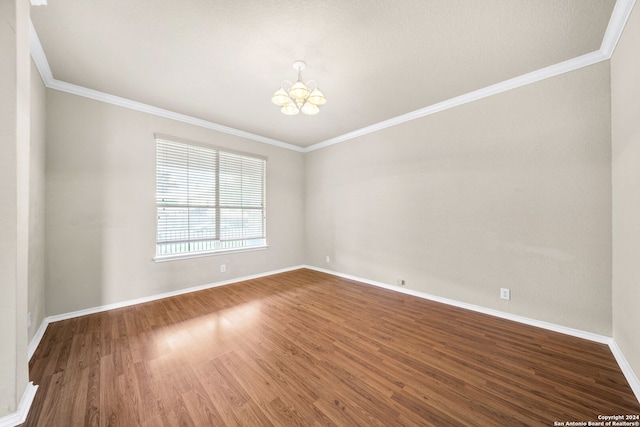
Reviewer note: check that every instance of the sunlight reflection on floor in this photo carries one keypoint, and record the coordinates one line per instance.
(209, 333)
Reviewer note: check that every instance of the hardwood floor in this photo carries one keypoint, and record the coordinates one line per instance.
(309, 349)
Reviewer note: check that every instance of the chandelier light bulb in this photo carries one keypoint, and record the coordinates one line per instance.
(280, 97)
(316, 97)
(290, 109)
(299, 97)
(310, 109)
(299, 91)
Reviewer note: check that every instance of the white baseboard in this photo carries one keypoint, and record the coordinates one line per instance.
(625, 367)
(631, 377)
(496, 313)
(20, 415)
(35, 341)
(617, 352)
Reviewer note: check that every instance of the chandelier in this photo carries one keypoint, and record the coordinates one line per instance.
(293, 98)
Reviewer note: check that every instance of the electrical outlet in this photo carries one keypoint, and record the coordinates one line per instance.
(505, 294)
(29, 320)
(328, 259)
(223, 268)
(400, 282)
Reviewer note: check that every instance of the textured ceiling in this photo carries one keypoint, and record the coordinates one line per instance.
(222, 60)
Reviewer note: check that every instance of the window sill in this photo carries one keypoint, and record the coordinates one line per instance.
(176, 257)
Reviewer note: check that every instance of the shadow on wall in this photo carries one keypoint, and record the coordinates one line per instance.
(77, 211)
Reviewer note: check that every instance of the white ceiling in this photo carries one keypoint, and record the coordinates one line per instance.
(221, 60)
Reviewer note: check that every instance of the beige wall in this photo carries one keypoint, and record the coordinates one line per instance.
(36, 304)
(100, 204)
(625, 100)
(511, 191)
(14, 209)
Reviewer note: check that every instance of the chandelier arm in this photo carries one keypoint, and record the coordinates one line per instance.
(315, 83)
(286, 86)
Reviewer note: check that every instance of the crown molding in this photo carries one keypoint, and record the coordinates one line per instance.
(38, 56)
(516, 82)
(619, 17)
(621, 12)
(161, 112)
(42, 64)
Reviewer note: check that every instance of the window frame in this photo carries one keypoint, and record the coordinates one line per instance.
(159, 257)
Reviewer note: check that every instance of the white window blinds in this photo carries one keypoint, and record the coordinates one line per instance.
(208, 200)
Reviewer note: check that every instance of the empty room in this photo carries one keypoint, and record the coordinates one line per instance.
(320, 213)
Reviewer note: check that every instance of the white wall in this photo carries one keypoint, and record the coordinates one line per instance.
(14, 194)
(100, 204)
(36, 305)
(510, 191)
(625, 97)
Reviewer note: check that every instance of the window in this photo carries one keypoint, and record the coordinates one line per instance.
(207, 200)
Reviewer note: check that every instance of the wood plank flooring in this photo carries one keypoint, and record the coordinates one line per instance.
(304, 348)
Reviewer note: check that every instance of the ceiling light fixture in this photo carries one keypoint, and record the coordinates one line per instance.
(293, 98)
